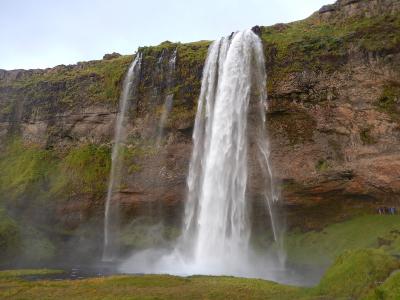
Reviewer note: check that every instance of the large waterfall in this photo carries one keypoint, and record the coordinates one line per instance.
(230, 119)
(111, 214)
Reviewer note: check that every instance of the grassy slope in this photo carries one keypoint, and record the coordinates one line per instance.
(369, 231)
(317, 46)
(104, 87)
(354, 275)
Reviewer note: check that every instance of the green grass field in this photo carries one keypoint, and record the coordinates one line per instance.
(357, 274)
(321, 247)
(361, 253)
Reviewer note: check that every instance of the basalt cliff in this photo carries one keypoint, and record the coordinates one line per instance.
(333, 119)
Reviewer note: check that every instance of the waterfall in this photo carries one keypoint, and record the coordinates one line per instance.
(167, 107)
(230, 121)
(216, 216)
(111, 214)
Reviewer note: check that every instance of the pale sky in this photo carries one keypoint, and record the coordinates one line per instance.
(46, 33)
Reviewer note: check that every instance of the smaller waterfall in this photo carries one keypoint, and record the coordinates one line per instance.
(111, 214)
(167, 107)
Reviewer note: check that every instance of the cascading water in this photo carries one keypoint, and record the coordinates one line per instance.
(168, 99)
(217, 230)
(111, 214)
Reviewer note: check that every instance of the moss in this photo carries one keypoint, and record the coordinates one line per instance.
(322, 165)
(366, 137)
(9, 236)
(297, 126)
(321, 247)
(24, 168)
(324, 46)
(390, 289)
(181, 115)
(389, 101)
(25, 272)
(36, 247)
(94, 81)
(354, 273)
(85, 169)
(186, 79)
(148, 287)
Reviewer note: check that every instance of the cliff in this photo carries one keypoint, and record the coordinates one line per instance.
(333, 119)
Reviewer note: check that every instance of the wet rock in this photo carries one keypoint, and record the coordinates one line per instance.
(257, 30)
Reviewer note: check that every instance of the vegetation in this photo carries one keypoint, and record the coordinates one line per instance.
(366, 137)
(28, 169)
(9, 235)
(23, 169)
(186, 80)
(321, 247)
(96, 81)
(34, 178)
(389, 101)
(316, 46)
(322, 165)
(390, 289)
(356, 272)
(297, 126)
(354, 275)
(32, 181)
(84, 170)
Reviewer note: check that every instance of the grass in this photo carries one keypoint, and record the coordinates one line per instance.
(85, 169)
(355, 272)
(29, 169)
(390, 289)
(145, 287)
(323, 46)
(9, 235)
(96, 81)
(354, 275)
(321, 247)
(23, 168)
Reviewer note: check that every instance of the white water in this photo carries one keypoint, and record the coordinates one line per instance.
(111, 214)
(216, 233)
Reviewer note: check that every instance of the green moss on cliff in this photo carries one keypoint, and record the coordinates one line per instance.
(366, 136)
(28, 170)
(9, 236)
(354, 273)
(390, 289)
(322, 165)
(24, 168)
(186, 79)
(389, 101)
(318, 46)
(84, 170)
(92, 82)
(297, 126)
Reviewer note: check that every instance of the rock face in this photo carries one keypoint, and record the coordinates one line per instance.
(333, 117)
(343, 9)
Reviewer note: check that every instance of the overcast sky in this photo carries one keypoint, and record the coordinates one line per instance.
(45, 33)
